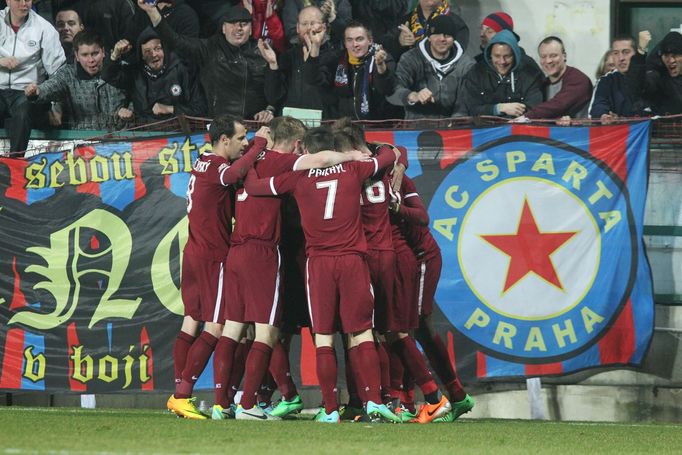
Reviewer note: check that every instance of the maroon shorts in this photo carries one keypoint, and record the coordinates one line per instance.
(429, 275)
(202, 288)
(382, 274)
(404, 314)
(252, 284)
(339, 294)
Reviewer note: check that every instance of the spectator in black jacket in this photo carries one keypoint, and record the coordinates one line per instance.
(159, 83)
(360, 76)
(231, 69)
(502, 84)
(292, 90)
(663, 83)
(68, 23)
(620, 93)
(383, 18)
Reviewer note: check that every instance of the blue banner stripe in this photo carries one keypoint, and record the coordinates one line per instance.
(37, 343)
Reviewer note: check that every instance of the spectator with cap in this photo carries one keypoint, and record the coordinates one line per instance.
(159, 83)
(414, 26)
(620, 93)
(231, 71)
(567, 90)
(359, 76)
(663, 82)
(495, 23)
(337, 14)
(502, 84)
(30, 50)
(429, 78)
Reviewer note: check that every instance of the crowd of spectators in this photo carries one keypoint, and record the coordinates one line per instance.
(106, 64)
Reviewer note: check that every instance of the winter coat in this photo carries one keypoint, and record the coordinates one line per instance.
(485, 88)
(232, 77)
(417, 70)
(173, 86)
(36, 46)
(621, 93)
(90, 102)
(572, 99)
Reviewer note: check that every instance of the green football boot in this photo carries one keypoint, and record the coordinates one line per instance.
(285, 408)
(458, 408)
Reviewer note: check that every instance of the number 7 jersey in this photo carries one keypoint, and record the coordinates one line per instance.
(329, 202)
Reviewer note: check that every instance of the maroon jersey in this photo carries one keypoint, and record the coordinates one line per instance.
(328, 200)
(259, 218)
(209, 208)
(399, 225)
(417, 234)
(375, 198)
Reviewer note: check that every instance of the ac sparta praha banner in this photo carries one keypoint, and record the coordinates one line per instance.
(540, 229)
(544, 269)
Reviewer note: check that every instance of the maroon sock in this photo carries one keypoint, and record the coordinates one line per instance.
(223, 359)
(238, 366)
(183, 342)
(197, 358)
(267, 387)
(281, 372)
(413, 360)
(407, 396)
(385, 367)
(367, 372)
(437, 353)
(326, 376)
(256, 365)
(356, 396)
(396, 370)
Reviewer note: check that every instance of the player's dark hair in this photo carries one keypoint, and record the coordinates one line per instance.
(553, 39)
(225, 124)
(286, 129)
(346, 125)
(633, 43)
(318, 139)
(358, 24)
(87, 38)
(343, 142)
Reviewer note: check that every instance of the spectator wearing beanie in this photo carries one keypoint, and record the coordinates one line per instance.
(663, 83)
(495, 23)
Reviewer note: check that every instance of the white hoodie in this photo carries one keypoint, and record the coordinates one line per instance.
(36, 45)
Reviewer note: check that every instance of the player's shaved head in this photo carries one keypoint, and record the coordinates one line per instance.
(286, 130)
(318, 139)
(225, 124)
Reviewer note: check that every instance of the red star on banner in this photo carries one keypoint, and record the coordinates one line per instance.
(529, 250)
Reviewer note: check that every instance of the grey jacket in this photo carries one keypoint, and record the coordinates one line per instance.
(417, 70)
(90, 102)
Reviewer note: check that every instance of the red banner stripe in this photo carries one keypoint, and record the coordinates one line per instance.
(545, 369)
(618, 345)
(18, 299)
(609, 144)
(455, 144)
(17, 170)
(13, 360)
(519, 129)
(308, 359)
(481, 369)
(72, 340)
(380, 136)
(144, 340)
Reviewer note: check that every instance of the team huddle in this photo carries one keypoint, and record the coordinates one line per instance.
(328, 233)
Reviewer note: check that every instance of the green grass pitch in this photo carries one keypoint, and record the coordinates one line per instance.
(107, 431)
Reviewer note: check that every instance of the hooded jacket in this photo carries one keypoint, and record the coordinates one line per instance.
(36, 46)
(418, 69)
(662, 90)
(485, 88)
(172, 86)
(233, 78)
